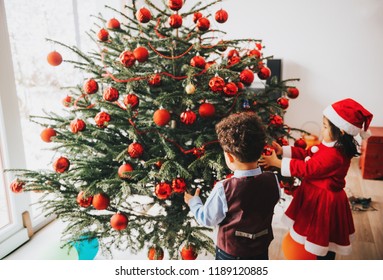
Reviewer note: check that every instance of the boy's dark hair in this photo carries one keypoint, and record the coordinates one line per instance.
(242, 135)
(345, 143)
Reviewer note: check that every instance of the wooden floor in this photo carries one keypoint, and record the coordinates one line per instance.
(368, 241)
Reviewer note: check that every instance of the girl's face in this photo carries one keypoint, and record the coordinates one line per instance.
(326, 131)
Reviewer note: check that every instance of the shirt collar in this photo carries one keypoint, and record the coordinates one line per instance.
(247, 173)
(329, 144)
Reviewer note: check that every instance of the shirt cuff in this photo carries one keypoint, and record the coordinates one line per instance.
(285, 167)
(286, 151)
(194, 203)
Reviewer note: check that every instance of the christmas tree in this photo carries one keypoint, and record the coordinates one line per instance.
(140, 130)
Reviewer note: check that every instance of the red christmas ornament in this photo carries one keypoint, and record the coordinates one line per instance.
(221, 16)
(103, 35)
(240, 86)
(300, 143)
(198, 61)
(188, 252)
(90, 86)
(258, 45)
(206, 110)
(155, 253)
(163, 190)
(67, 101)
(155, 80)
(141, 54)
(196, 16)
(222, 46)
(175, 21)
(267, 150)
(233, 60)
(61, 164)
(127, 58)
(255, 52)
(101, 201)
(111, 94)
(47, 133)
(131, 100)
(123, 169)
(175, 5)
(84, 201)
(203, 24)
(77, 125)
(209, 64)
(17, 186)
(283, 102)
(161, 117)
(113, 24)
(54, 58)
(264, 73)
(232, 53)
(246, 77)
(179, 185)
(276, 120)
(119, 221)
(135, 150)
(230, 89)
(292, 92)
(188, 117)
(282, 141)
(102, 119)
(216, 84)
(143, 15)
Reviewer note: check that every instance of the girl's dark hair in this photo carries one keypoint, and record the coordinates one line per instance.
(345, 143)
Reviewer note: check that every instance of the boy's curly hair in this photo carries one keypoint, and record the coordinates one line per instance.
(242, 135)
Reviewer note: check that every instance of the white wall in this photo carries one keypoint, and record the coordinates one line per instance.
(334, 46)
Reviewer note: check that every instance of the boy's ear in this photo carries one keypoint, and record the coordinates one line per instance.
(230, 157)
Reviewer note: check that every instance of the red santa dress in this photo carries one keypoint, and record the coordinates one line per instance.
(319, 215)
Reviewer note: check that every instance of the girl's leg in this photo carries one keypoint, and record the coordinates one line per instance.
(330, 256)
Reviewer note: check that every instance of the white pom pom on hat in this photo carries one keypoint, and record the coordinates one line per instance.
(349, 116)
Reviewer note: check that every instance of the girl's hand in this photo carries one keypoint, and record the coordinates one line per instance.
(268, 161)
(278, 149)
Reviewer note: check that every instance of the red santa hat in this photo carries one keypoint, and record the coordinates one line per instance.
(349, 116)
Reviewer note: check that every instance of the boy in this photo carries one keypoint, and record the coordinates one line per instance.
(243, 205)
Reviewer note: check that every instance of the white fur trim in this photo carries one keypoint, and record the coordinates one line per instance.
(286, 151)
(339, 122)
(285, 167)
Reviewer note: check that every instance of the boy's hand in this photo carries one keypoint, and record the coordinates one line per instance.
(188, 196)
(273, 160)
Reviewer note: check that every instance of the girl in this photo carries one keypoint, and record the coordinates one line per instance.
(319, 216)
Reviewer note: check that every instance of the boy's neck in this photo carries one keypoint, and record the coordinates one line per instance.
(245, 165)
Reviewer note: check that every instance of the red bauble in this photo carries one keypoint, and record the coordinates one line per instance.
(17, 186)
(222, 46)
(90, 86)
(119, 221)
(179, 185)
(240, 86)
(233, 60)
(246, 77)
(264, 73)
(111, 94)
(221, 16)
(163, 190)
(102, 119)
(101, 201)
(143, 15)
(188, 117)
(54, 58)
(216, 84)
(188, 252)
(77, 125)
(47, 133)
(206, 110)
(267, 150)
(282, 141)
(135, 150)
(103, 35)
(198, 61)
(161, 117)
(276, 120)
(124, 169)
(209, 64)
(196, 16)
(295, 251)
(131, 100)
(155, 253)
(175, 21)
(61, 164)
(113, 24)
(300, 143)
(292, 92)
(84, 201)
(255, 53)
(203, 24)
(155, 80)
(67, 101)
(283, 102)
(230, 89)
(232, 53)
(127, 58)
(141, 54)
(175, 5)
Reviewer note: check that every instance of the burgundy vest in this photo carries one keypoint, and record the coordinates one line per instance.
(246, 230)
